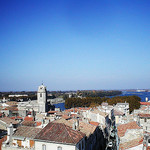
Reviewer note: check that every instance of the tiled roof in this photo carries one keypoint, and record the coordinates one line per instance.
(60, 133)
(52, 112)
(118, 113)
(8, 120)
(71, 110)
(144, 115)
(28, 123)
(28, 118)
(96, 111)
(11, 103)
(123, 128)
(24, 131)
(65, 117)
(94, 123)
(17, 117)
(38, 123)
(11, 108)
(131, 144)
(85, 128)
(145, 103)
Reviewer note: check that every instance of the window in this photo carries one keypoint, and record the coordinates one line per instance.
(40, 94)
(145, 119)
(59, 148)
(148, 140)
(43, 147)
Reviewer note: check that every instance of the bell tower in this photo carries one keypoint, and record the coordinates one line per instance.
(42, 98)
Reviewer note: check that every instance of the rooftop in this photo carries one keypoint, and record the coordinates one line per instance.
(85, 128)
(24, 131)
(8, 120)
(123, 128)
(145, 103)
(130, 144)
(144, 115)
(60, 133)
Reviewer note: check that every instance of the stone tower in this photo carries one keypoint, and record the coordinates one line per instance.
(42, 98)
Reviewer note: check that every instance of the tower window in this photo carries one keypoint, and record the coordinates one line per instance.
(40, 94)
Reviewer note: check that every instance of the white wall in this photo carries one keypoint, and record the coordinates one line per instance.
(53, 146)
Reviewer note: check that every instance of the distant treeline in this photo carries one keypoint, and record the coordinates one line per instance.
(96, 93)
(134, 101)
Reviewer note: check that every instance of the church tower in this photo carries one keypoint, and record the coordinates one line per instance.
(42, 98)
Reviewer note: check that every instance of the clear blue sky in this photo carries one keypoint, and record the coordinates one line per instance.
(74, 44)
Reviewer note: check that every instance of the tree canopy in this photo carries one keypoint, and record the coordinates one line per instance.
(134, 101)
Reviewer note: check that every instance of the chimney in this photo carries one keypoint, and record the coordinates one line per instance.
(75, 125)
(9, 133)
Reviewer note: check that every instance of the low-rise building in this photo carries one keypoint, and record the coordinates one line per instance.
(59, 136)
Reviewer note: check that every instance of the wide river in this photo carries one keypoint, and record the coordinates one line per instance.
(142, 95)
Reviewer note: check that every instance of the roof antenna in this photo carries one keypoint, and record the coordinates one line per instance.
(42, 82)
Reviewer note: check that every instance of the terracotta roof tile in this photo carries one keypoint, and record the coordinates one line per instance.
(28, 118)
(8, 120)
(60, 133)
(145, 103)
(65, 117)
(11, 108)
(52, 112)
(38, 123)
(123, 128)
(144, 115)
(25, 131)
(17, 117)
(28, 123)
(94, 123)
(85, 128)
(118, 113)
(131, 144)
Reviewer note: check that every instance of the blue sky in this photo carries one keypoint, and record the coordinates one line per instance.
(74, 44)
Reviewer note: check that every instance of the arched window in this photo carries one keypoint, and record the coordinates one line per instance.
(43, 147)
(59, 148)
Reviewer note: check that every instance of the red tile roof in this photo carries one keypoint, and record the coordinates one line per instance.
(131, 144)
(145, 103)
(28, 123)
(17, 117)
(52, 112)
(38, 123)
(11, 108)
(65, 117)
(28, 118)
(94, 123)
(60, 133)
(123, 128)
(144, 115)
